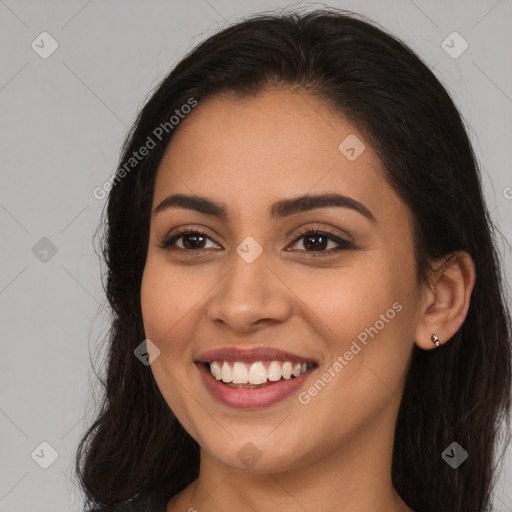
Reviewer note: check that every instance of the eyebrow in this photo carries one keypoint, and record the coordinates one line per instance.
(280, 209)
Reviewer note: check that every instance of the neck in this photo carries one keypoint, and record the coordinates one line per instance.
(354, 478)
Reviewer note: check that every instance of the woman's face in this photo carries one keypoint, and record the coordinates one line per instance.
(248, 289)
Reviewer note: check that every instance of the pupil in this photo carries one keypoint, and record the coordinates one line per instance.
(318, 242)
(195, 239)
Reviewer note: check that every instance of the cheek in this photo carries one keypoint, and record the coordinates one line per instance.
(168, 300)
(367, 342)
(364, 317)
(167, 304)
(345, 302)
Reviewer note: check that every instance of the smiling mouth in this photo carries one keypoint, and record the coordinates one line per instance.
(257, 374)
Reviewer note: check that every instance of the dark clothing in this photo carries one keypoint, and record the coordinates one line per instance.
(139, 504)
(145, 504)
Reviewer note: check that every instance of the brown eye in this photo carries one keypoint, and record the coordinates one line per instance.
(187, 241)
(314, 243)
(321, 242)
(193, 241)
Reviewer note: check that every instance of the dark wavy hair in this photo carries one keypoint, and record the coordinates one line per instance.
(458, 392)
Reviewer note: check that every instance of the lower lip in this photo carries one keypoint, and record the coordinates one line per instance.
(250, 398)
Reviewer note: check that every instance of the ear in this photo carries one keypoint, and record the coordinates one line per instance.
(446, 299)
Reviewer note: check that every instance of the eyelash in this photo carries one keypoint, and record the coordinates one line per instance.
(167, 243)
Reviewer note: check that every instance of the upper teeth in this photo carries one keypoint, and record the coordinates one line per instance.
(255, 373)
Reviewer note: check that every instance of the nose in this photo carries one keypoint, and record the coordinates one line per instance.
(250, 297)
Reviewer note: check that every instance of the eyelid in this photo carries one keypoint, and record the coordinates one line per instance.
(318, 228)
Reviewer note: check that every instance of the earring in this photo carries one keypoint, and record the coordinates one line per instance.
(435, 340)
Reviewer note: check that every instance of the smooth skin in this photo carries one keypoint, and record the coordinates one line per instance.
(333, 453)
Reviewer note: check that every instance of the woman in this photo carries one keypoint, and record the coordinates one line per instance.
(308, 309)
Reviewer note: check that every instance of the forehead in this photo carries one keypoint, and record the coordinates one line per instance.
(260, 148)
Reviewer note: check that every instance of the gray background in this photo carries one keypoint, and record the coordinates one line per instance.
(63, 121)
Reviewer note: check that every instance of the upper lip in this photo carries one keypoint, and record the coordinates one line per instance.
(248, 355)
